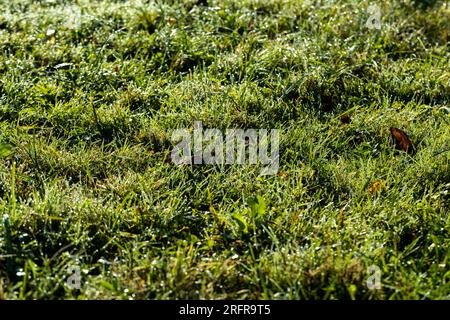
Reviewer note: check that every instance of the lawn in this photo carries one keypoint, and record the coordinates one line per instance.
(93, 207)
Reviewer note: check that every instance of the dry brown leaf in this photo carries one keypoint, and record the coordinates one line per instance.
(401, 140)
(346, 119)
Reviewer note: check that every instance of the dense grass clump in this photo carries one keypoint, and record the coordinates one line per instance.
(90, 92)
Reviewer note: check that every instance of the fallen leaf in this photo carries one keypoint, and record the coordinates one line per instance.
(401, 140)
(283, 175)
(376, 186)
(346, 119)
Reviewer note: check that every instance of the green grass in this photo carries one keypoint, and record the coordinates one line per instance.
(88, 104)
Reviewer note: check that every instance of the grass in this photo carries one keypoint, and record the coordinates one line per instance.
(90, 92)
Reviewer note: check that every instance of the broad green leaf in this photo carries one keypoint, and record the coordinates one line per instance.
(5, 150)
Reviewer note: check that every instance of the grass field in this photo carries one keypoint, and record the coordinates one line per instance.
(90, 92)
